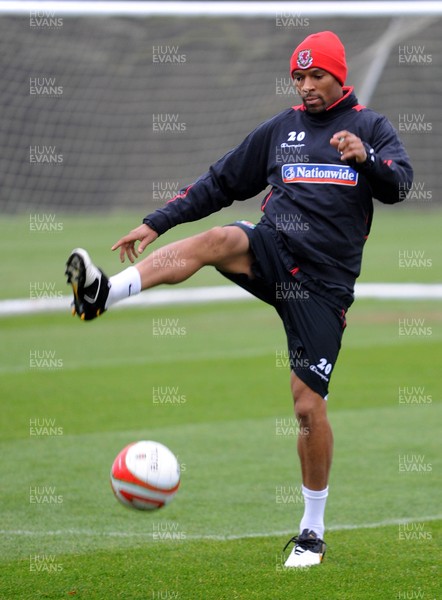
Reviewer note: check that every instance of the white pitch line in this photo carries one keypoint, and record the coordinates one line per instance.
(220, 293)
(215, 537)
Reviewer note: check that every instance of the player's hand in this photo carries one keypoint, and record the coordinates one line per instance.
(144, 234)
(349, 146)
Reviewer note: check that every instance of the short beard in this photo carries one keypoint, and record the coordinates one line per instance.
(315, 109)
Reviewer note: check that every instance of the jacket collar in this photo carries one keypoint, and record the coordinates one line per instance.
(345, 102)
(347, 93)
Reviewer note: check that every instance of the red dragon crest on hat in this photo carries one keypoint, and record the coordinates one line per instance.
(304, 59)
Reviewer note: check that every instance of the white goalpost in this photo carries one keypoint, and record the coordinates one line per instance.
(215, 8)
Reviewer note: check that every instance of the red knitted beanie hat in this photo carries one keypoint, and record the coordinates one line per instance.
(323, 50)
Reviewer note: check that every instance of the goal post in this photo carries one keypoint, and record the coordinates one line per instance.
(367, 8)
(116, 105)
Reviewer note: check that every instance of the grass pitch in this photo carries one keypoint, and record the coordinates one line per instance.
(94, 387)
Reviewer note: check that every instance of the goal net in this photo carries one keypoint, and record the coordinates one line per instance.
(115, 111)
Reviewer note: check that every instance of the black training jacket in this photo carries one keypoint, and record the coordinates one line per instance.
(320, 206)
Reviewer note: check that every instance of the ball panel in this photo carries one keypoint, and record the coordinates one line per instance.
(143, 504)
(154, 465)
(141, 491)
(140, 502)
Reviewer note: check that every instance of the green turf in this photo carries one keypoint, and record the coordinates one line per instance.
(242, 569)
(234, 435)
(41, 252)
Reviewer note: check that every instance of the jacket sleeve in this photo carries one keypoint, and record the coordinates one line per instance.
(240, 174)
(387, 168)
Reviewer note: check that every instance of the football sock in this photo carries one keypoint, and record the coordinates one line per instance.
(124, 284)
(314, 508)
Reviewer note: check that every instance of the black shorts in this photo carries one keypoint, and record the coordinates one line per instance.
(313, 320)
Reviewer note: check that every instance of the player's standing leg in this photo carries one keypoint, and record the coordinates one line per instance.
(315, 449)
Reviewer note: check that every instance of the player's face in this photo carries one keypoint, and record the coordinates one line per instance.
(317, 88)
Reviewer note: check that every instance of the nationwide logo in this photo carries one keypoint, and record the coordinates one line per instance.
(319, 173)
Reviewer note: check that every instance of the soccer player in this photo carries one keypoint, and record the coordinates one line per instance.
(323, 162)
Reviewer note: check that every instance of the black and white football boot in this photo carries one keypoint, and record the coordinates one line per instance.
(89, 284)
(308, 550)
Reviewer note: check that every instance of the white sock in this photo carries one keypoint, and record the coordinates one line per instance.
(314, 511)
(124, 284)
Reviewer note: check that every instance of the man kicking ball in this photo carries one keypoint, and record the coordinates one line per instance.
(322, 161)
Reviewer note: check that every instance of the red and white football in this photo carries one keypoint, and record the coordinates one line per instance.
(145, 475)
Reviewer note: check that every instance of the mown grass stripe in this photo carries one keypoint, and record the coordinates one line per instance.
(214, 537)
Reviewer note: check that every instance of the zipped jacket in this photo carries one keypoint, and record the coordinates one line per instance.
(320, 206)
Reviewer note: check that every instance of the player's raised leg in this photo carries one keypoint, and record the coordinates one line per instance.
(226, 248)
(315, 448)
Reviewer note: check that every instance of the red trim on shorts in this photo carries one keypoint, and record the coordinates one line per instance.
(344, 321)
(266, 199)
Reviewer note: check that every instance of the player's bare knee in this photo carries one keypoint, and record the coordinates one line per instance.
(308, 404)
(214, 240)
(226, 248)
(303, 408)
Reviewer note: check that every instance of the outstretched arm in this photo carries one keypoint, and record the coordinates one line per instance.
(240, 174)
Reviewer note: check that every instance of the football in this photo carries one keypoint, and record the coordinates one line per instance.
(145, 475)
